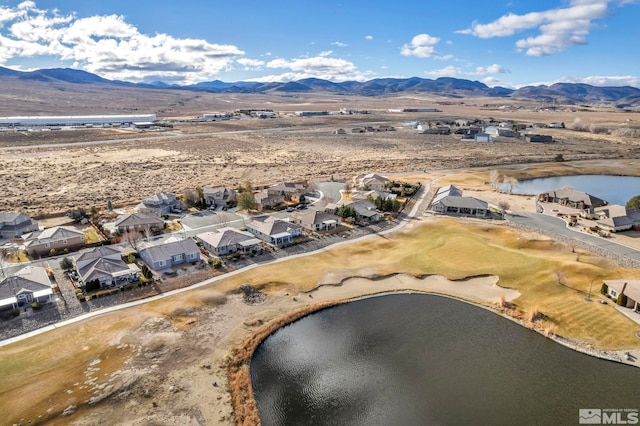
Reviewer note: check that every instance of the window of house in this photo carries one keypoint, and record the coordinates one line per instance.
(614, 293)
(64, 241)
(161, 262)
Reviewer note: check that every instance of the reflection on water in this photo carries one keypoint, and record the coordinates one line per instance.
(614, 189)
(423, 359)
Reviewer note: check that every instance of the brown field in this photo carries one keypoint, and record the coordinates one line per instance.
(52, 171)
(118, 367)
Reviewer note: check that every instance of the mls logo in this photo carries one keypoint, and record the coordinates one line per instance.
(590, 416)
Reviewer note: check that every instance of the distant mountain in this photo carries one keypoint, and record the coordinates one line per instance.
(559, 93)
(578, 93)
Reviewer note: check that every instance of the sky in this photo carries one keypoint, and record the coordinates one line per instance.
(500, 43)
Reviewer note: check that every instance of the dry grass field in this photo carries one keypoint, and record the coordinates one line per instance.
(120, 365)
(51, 172)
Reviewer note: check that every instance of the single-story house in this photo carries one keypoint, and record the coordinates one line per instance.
(616, 218)
(229, 240)
(274, 231)
(458, 205)
(445, 191)
(364, 195)
(167, 255)
(28, 285)
(266, 200)
(219, 196)
(14, 224)
(58, 238)
(340, 132)
(160, 204)
(315, 220)
(365, 211)
(372, 181)
(105, 265)
(630, 288)
(138, 222)
(572, 198)
(507, 133)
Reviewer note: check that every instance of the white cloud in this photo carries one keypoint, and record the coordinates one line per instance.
(325, 53)
(110, 47)
(603, 80)
(323, 67)
(559, 28)
(250, 64)
(339, 44)
(422, 46)
(453, 71)
(368, 37)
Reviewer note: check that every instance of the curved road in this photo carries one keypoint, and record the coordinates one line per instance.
(559, 227)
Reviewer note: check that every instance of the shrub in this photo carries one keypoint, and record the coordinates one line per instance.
(217, 264)
(36, 305)
(604, 289)
(622, 300)
(15, 312)
(214, 299)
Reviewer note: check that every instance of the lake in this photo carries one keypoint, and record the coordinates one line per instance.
(409, 359)
(614, 189)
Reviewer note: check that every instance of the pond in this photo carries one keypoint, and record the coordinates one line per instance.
(408, 359)
(613, 189)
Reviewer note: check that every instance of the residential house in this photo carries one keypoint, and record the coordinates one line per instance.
(315, 220)
(630, 288)
(167, 255)
(364, 195)
(160, 204)
(104, 264)
(365, 211)
(229, 240)
(291, 191)
(463, 206)
(358, 130)
(28, 285)
(139, 222)
(220, 196)
(266, 200)
(491, 130)
(58, 238)
(616, 218)
(14, 224)
(507, 133)
(340, 132)
(572, 198)
(445, 191)
(274, 231)
(372, 181)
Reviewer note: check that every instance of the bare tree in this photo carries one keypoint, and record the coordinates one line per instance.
(511, 182)
(223, 218)
(494, 179)
(133, 238)
(503, 206)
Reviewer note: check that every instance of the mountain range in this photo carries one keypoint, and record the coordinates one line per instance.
(559, 93)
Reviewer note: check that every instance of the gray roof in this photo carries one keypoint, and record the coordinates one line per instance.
(137, 219)
(272, 226)
(314, 216)
(11, 216)
(160, 199)
(463, 202)
(57, 233)
(576, 196)
(96, 253)
(168, 250)
(225, 237)
(30, 279)
(99, 262)
(364, 208)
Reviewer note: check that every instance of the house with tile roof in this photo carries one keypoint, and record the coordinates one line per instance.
(315, 220)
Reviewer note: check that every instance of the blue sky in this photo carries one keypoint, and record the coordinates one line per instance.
(508, 43)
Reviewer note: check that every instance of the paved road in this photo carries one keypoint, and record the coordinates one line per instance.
(558, 226)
